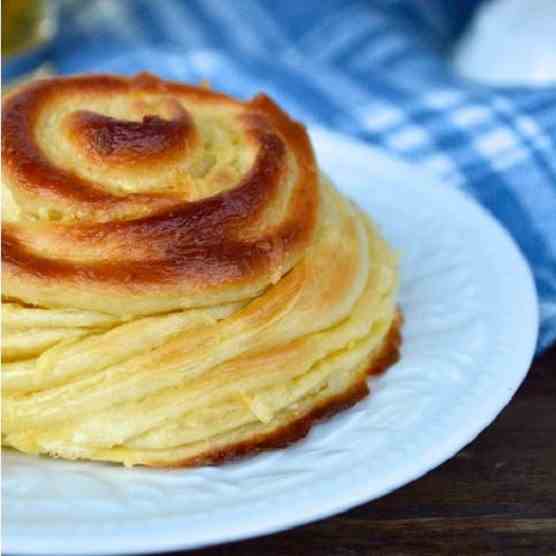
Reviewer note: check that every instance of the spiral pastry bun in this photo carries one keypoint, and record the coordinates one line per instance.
(180, 283)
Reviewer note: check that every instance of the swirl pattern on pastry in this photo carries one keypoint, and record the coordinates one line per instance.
(145, 216)
(180, 282)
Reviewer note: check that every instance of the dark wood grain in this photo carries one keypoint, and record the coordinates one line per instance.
(496, 497)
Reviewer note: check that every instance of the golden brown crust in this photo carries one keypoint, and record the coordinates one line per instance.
(296, 430)
(212, 244)
(104, 139)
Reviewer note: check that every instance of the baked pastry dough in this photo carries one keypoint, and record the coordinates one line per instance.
(180, 283)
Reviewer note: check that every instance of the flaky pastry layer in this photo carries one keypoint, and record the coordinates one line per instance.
(181, 285)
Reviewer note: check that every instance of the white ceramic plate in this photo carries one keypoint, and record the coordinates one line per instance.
(470, 333)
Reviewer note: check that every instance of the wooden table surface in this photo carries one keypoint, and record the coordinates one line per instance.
(496, 497)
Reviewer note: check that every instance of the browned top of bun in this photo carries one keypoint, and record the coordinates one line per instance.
(138, 195)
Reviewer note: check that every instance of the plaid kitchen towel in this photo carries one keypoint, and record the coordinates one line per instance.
(377, 69)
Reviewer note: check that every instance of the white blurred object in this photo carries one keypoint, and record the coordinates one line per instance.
(510, 42)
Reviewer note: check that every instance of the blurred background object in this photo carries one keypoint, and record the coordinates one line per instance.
(27, 28)
(511, 42)
(21, 23)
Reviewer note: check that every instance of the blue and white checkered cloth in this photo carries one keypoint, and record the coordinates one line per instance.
(377, 69)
